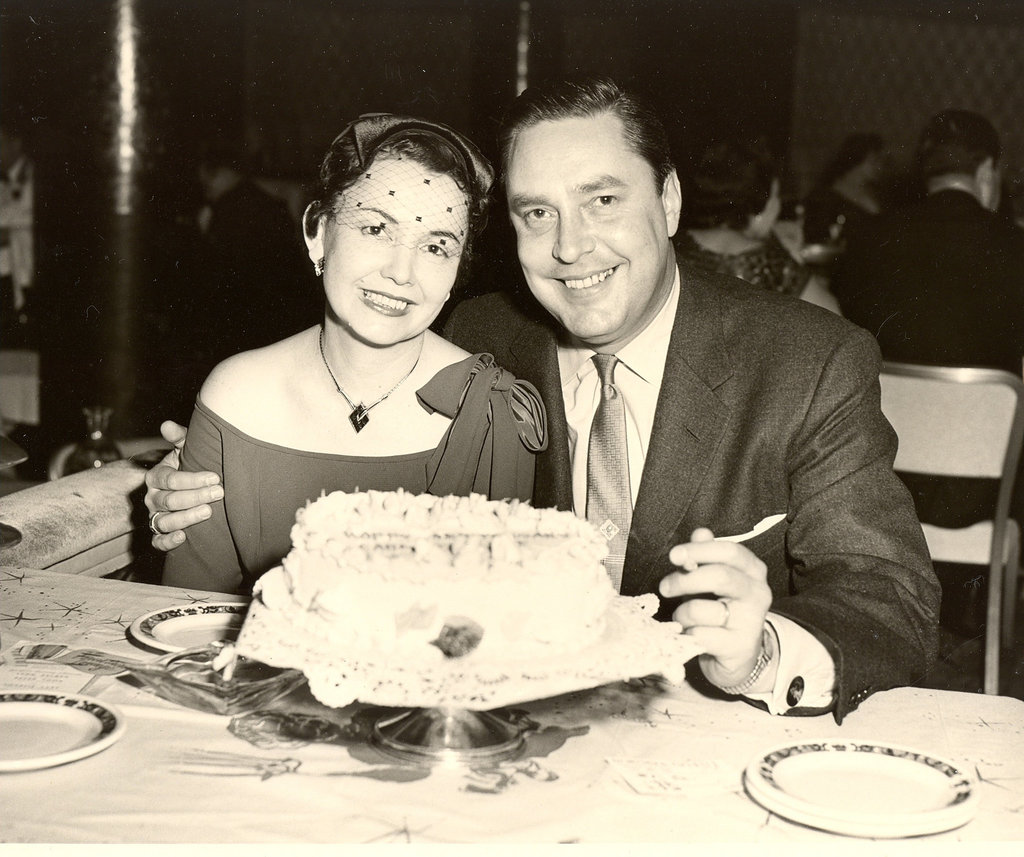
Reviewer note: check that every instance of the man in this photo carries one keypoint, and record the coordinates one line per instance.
(250, 284)
(17, 257)
(849, 191)
(942, 281)
(747, 415)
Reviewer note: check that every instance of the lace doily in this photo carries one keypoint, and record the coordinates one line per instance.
(633, 644)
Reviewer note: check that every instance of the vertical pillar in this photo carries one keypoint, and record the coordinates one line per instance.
(118, 95)
(118, 376)
(88, 99)
(523, 47)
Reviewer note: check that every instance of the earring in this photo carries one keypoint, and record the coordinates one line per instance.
(318, 266)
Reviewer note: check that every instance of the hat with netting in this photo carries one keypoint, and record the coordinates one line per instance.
(371, 131)
(369, 135)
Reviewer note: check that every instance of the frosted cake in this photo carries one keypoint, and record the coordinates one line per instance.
(419, 579)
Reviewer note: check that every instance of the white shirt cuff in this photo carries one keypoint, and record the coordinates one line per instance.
(800, 656)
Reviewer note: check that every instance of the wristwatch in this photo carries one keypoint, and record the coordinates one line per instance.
(764, 657)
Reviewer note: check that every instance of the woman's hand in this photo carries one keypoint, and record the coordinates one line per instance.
(177, 499)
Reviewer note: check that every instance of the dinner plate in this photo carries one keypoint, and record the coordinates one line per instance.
(862, 788)
(40, 730)
(185, 626)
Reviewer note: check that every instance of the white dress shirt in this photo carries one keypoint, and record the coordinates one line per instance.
(638, 377)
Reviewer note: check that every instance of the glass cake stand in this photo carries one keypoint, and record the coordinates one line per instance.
(451, 711)
(447, 735)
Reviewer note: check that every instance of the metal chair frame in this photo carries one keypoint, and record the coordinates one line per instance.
(965, 453)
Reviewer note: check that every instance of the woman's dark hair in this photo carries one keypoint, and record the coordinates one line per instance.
(730, 183)
(853, 151)
(346, 162)
(582, 98)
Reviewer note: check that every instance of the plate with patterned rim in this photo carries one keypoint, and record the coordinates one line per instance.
(185, 626)
(41, 730)
(862, 788)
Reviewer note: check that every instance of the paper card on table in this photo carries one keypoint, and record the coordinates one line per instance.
(660, 777)
(86, 660)
(42, 676)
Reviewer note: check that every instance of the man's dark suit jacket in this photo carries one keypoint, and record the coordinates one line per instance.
(768, 405)
(939, 282)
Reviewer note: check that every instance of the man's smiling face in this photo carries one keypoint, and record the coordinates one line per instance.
(592, 228)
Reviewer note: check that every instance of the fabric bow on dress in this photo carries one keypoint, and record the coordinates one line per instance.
(498, 426)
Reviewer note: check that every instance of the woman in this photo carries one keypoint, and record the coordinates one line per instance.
(370, 398)
(730, 213)
(848, 193)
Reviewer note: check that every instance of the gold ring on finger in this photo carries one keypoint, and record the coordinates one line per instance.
(152, 523)
(725, 618)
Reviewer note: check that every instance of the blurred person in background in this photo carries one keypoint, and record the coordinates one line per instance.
(941, 281)
(849, 192)
(245, 281)
(17, 252)
(730, 208)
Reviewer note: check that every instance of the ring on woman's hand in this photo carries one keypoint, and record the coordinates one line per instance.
(725, 619)
(152, 523)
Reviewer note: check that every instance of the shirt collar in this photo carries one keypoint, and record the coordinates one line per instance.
(644, 355)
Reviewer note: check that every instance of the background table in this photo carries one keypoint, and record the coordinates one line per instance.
(630, 762)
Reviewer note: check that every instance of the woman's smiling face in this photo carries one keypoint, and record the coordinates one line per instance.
(391, 249)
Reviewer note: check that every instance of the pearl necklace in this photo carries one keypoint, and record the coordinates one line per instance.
(360, 413)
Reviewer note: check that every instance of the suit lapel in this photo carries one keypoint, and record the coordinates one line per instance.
(689, 424)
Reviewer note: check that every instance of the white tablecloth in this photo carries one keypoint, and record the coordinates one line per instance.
(630, 762)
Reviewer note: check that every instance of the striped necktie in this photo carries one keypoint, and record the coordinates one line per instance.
(609, 503)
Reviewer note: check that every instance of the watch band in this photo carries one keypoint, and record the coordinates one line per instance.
(764, 657)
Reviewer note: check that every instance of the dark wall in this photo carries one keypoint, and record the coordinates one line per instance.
(710, 65)
(312, 66)
(886, 67)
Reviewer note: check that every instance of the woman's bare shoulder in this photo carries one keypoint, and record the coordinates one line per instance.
(438, 352)
(234, 384)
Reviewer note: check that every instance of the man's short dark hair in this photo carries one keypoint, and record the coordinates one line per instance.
(956, 141)
(579, 98)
